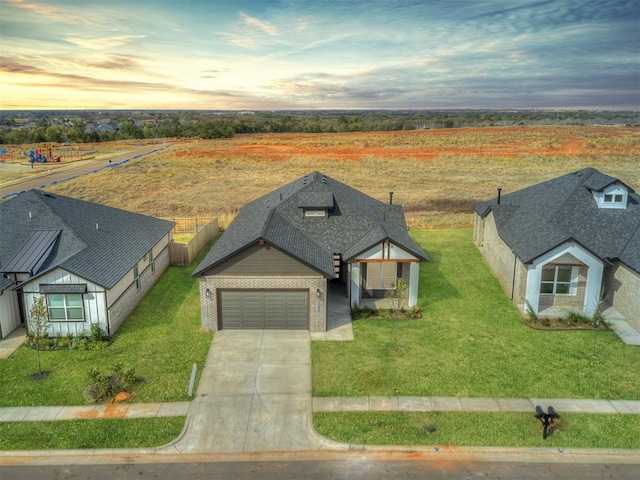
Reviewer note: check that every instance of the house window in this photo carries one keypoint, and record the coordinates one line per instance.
(381, 275)
(65, 307)
(136, 277)
(556, 280)
(152, 261)
(613, 198)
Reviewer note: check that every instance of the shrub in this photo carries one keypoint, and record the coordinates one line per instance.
(106, 385)
(577, 318)
(96, 334)
(95, 340)
(531, 314)
(358, 313)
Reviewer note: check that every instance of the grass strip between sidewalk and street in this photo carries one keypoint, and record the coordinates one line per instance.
(80, 434)
(575, 430)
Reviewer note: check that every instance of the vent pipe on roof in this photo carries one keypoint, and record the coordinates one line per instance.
(499, 194)
(390, 198)
(97, 227)
(30, 216)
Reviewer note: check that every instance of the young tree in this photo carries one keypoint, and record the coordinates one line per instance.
(398, 296)
(39, 324)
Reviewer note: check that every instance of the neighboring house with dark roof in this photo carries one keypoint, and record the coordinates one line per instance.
(568, 244)
(92, 263)
(272, 266)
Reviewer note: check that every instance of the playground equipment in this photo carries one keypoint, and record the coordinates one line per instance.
(37, 156)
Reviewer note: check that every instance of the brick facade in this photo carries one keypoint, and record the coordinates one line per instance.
(572, 302)
(510, 271)
(622, 292)
(125, 304)
(317, 305)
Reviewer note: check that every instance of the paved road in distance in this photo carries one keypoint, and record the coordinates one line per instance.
(75, 169)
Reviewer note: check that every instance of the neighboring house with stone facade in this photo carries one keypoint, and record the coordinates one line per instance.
(92, 263)
(569, 244)
(273, 266)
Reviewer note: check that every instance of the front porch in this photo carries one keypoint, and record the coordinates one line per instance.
(338, 314)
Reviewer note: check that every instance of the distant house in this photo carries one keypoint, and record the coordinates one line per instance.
(273, 266)
(91, 263)
(568, 244)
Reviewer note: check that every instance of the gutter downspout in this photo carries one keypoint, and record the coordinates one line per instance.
(513, 279)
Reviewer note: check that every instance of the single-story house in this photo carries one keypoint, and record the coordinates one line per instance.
(568, 244)
(272, 266)
(92, 263)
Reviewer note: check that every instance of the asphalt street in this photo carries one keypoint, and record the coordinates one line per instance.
(352, 467)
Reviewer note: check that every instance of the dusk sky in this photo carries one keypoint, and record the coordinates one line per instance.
(319, 54)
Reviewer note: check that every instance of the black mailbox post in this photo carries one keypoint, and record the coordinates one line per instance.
(547, 419)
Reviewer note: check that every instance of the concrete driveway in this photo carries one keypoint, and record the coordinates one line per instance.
(254, 395)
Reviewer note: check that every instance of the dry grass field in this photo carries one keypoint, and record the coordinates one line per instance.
(438, 175)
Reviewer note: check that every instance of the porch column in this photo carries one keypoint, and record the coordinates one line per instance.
(355, 285)
(414, 277)
(592, 289)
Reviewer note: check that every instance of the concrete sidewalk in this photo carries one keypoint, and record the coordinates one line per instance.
(456, 404)
(83, 412)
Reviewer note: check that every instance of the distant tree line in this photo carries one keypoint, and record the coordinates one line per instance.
(88, 127)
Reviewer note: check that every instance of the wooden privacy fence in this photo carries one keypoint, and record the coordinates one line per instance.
(181, 254)
(191, 224)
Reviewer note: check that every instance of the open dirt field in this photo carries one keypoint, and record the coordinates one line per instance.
(438, 175)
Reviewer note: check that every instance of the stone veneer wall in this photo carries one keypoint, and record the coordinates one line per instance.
(317, 306)
(125, 304)
(622, 287)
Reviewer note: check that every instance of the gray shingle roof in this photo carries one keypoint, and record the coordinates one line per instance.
(355, 223)
(96, 242)
(536, 219)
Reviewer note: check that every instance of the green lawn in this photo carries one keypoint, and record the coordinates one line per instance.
(161, 340)
(479, 429)
(471, 342)
(112, 433)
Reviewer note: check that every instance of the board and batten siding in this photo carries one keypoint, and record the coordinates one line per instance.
(94, 302)
(264, 261)
(9, 312)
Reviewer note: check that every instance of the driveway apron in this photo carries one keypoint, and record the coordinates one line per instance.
(254, 395)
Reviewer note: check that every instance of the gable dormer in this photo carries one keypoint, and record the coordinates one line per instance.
(615, 195)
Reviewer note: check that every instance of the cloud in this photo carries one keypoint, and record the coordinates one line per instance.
(114, 62)
(265, 27)
(49, 11)
(103, 43)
